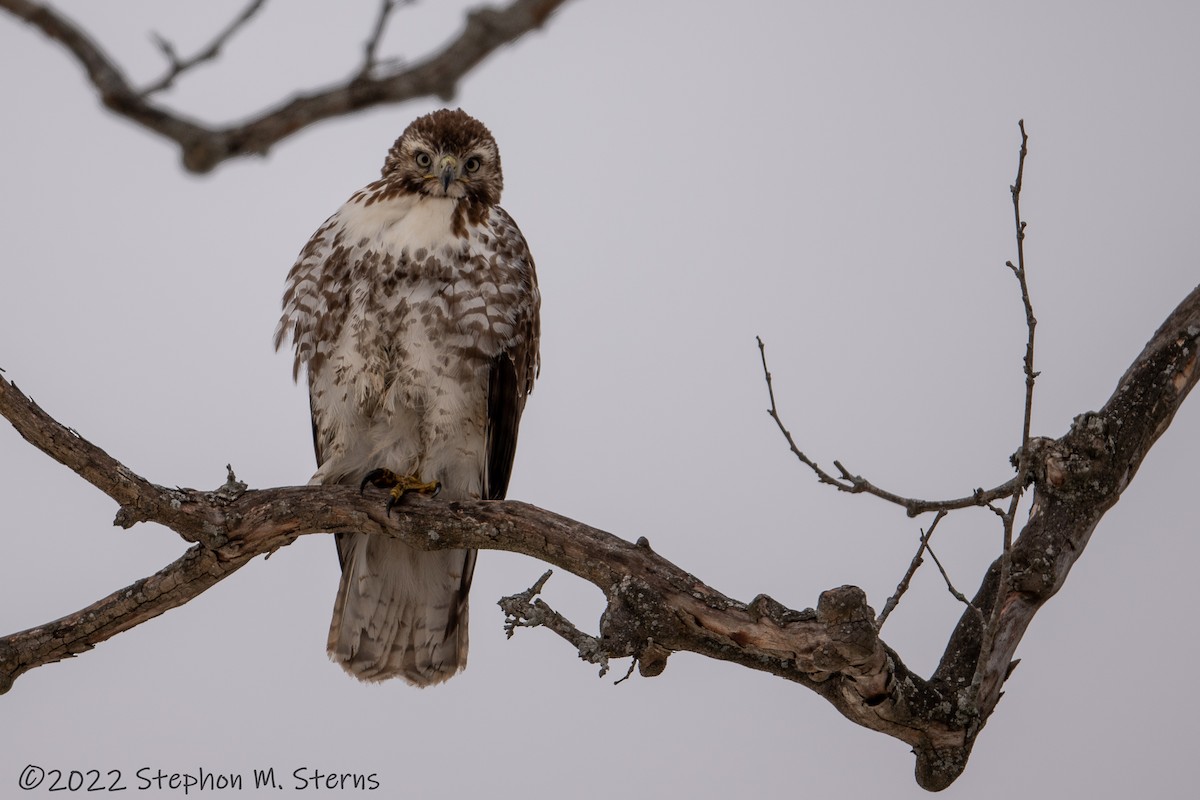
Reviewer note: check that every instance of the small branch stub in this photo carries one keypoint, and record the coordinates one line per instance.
(523, 611)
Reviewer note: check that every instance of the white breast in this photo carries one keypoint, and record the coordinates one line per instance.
(400, 223)
(394, 392)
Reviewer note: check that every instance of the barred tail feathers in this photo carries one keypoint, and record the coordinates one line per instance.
(400, 612)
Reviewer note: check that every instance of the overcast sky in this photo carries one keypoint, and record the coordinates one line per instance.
(831, 176)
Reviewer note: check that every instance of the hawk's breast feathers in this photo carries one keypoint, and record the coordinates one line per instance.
(387, 304)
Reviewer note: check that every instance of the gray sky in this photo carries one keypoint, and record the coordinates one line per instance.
(832, 177)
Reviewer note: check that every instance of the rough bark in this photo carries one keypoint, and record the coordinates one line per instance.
(655, 607)
(204, 147)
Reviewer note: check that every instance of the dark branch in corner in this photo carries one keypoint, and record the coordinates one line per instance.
(203, 147)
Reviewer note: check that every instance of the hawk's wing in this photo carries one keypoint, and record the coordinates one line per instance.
(512, 371)
(504, 418)
(303, 319)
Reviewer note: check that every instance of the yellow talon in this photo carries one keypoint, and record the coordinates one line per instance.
(399, 485)
(411, 483)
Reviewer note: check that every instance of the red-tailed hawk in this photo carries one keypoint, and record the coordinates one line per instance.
(415, 310)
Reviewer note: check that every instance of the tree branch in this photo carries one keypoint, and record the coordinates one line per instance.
(1021, 459)
(856, 484)
(654, 607)
(177, 66)
(913, 565)
(1077, 478)
(204, 147)
(371, 48)
(521, 610)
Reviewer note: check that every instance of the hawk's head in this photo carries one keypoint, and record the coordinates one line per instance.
(447, 154)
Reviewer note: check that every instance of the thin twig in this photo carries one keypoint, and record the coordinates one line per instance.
(177, 66)
(632, 666)
(959, 596)
(1019, 271)
(371, 48)
(856, 484)
(1008, 517)
(916, 562)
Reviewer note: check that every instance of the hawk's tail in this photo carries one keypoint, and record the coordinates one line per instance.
(400, 612)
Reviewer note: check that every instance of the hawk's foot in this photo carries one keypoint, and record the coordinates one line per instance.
(399, 485)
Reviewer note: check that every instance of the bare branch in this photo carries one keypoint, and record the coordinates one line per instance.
(521, 610)
(959, 596)
(856, 484)
(1078, 477)
(204, 147)
(371, 48)
(1008, 518)
(916, 562)
(653, 606)
(177, 66)
(1019, 271)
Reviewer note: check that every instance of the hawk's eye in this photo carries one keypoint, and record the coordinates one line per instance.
(473, 164)
(424, 159)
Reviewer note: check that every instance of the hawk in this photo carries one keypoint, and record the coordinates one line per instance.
(415, 311)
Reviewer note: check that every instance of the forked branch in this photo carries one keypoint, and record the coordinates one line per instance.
(654, 607)
(204, 147)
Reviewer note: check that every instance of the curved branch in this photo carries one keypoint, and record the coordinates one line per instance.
(486, 30)
(1077, 478)
(654, 607)
(652, 602)
(856, 484)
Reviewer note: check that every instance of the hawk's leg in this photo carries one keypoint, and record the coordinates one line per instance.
(399, 485)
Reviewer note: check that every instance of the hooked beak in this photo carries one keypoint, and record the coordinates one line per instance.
(448, 169)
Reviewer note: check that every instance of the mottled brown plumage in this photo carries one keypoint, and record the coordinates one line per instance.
(414, 309)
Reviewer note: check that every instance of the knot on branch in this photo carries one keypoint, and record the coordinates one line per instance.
(621, 633)
(1077, 466)
(204, 518)
(633, 618)
(845, 604)
(767, 607)
(652, 660)
(938, 767)
(232, 489)
(853, 649)
(201, 154)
